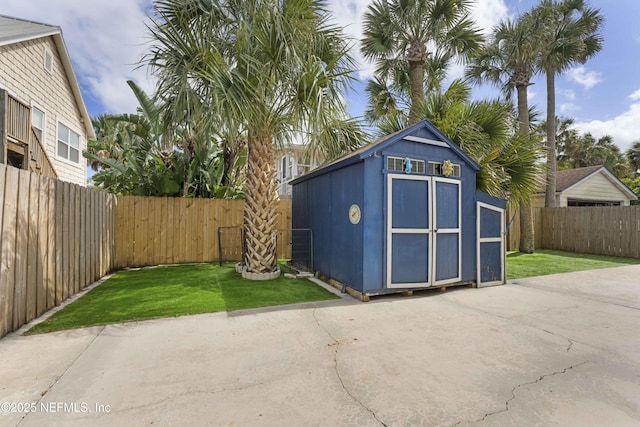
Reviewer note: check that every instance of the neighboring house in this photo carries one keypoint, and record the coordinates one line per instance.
(589, 186)
(291, 163)
(44, 123)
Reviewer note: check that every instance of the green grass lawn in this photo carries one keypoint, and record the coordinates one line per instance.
(543, 262)
(176, 291)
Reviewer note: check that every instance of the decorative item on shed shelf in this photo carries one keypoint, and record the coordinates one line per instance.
(407, 165)
(447, 168)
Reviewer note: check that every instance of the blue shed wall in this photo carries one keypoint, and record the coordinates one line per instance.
(374, 220)
(322, 204)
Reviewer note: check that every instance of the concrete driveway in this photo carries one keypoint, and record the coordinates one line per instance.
(557, 350)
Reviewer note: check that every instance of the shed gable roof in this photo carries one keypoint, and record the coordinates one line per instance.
(15, 30)
(381, 143)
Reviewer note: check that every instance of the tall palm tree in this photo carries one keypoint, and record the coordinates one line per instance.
(270, 66)
(566, 139)
(508, 61)
(402, 35)
(570, 35)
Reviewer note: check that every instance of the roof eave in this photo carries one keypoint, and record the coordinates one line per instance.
(73, 82)
(27, 37)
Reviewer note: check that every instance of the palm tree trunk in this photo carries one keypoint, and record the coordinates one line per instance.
(550, 194)
(527, 238)
(260, 207)
(416, 77)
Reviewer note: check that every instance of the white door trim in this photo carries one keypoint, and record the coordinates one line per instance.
(429, 231)
(446, 230)
(480, 240)
(391, 230)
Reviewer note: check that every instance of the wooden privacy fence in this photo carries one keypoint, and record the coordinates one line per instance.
(513, 236)
(56, 239)
(154, 230)
(605, 230)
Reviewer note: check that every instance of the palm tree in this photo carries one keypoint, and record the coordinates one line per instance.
(508, 61)
(633, 155)
(484, 130)
(270, 67)
(566, 140)
(570, 35)
(399, 36)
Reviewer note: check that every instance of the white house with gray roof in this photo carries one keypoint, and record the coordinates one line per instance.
(44, 123)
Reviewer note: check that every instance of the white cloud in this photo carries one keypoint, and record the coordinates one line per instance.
(587, 79)
(349, 15)
(635, 96)
(623, 128)
(569, 108)
(569, 94)
(488, 14)
(105, 40)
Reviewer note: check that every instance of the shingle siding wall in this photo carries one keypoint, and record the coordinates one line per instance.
(596, 187)
(22, 73)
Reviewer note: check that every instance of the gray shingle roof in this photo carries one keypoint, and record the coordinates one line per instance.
(14, 30)
(567, 178)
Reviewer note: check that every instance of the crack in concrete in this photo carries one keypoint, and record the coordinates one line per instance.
(336, 344)
(513, 392)
(571, 342)
(53, 384)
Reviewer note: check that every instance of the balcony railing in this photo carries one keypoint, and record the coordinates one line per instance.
(21, 145)
(18, 121)
(40, 162)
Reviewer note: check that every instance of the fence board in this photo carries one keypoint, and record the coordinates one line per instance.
(22, 249)
(7, 268)
(43, 253)
(33, 242)
(74, 249)
(102, 239)
(52, 244)
(170, 230)
(84, 215)
(182, 222)
(59, 225)
(199, 229)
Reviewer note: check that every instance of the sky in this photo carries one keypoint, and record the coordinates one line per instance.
(106, 40)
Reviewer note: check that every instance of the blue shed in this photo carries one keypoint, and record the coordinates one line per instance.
(400, 214)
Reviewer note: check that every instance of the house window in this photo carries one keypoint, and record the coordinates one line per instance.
(398, 164)
(68, 144)
(38, 122)
(283, 168)
(435, 168)
(48, 60)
